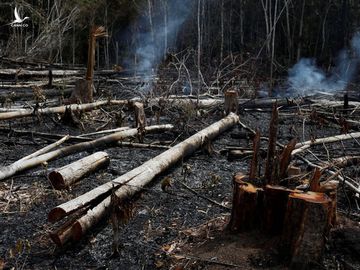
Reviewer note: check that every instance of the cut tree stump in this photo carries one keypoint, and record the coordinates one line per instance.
(275, 203)
(306, 226)
(330, 189)
(245, 207)
(65, 176)
(82, 93)
(140, 119)
(231, 102)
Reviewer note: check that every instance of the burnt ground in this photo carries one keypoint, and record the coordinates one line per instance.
(172, 229)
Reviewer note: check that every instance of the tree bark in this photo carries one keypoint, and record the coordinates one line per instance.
(65, 176)
(306, 226)
(300, 147)
(275, 203)
(245, 208)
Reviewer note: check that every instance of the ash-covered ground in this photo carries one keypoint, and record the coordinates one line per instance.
(164, 223)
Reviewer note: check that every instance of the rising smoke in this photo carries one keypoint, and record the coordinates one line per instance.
(150, 46)
(305, 78)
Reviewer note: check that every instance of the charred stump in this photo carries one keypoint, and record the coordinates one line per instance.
(307, 223)
(231, 102)
(244, 215)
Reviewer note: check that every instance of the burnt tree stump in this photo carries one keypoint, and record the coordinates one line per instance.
(307, 223)
(275, 204)
(231, 102)
(245, 208)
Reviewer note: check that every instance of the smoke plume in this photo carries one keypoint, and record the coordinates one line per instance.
(152, 43)
(305, 78)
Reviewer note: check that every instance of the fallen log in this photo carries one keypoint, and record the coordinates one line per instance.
(43, 134)
(346, 180)
(38, 73)
(16, 167)
(142, 145)
(104, 131)
(133, 181)
(65, 176)
(60, 109)
(300, 147)
(24, 92)
(46, 149)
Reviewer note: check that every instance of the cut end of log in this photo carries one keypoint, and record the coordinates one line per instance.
(56, 239)
(56, 214)
(77, 231)
(57, 180)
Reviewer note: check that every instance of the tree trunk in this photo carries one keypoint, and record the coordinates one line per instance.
(65, 176)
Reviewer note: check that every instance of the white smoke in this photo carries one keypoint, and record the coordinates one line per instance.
(150, 49)
(305, 78)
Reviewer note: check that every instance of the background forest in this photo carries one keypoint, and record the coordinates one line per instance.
(258, 40)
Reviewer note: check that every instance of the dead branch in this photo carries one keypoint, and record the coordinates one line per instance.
(300, 147)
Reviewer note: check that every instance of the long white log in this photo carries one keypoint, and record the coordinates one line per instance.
(16, 167)
(137, 178)
(300, 147)
(60, 109)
